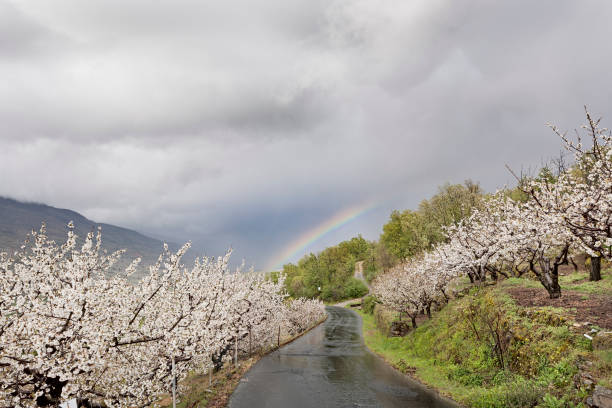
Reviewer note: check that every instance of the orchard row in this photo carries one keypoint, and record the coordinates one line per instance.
(68, 330)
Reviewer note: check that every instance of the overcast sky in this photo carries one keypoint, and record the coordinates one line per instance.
(247, 123)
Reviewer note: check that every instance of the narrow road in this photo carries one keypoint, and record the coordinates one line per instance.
(329, 367)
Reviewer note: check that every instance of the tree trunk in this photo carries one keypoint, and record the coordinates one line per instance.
(53, 394)
(549, 274)
(555, 293)
(574, 264)
(549, 279)
(428, 310)
(595, 274)
(413, 318)
(217, 358)
(445, 295)
(551, 283)
(482, 276)
(471, 277)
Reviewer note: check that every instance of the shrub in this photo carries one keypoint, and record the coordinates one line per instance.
(368, 304)
(355, 288)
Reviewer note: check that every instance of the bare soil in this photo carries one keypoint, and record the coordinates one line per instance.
(596, 309)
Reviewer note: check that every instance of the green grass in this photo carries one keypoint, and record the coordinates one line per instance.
(579, 282)
(395, 351)
(603, 365)
(526, 283)
(541, 357)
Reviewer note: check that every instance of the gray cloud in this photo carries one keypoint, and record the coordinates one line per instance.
(247, 123)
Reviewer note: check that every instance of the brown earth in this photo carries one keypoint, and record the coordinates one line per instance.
(224, 392)
(596, 309)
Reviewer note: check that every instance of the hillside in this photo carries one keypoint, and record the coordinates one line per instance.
(508, 344)
(18, 219)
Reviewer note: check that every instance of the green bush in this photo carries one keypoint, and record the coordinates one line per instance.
(519, 393)
(368, 304)
(465, 376)
(355, 288)
(327, 274)
(550, 401)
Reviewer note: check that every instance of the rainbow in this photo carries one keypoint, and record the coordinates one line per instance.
(309, 237)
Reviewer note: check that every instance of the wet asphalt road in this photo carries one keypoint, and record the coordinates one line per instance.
(329, 367)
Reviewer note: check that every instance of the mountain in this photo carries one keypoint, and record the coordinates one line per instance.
(18, 219)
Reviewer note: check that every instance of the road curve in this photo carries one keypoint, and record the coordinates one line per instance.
(329, 367)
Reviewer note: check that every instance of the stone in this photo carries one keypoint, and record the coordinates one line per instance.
(584, 380)
(603, 340)
(601, 398)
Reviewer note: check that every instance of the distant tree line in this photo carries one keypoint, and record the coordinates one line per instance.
(329, 274)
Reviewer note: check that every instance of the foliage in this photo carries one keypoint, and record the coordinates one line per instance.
(413, 287)
(409, 233)
(368, 303)
(329, 274)
(355, 288)
(377, 260)
(489, 324)
(458, 233)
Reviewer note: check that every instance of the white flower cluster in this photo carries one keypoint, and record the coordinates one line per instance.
(582, 197)
(303, 313)
(569, 213)
(68, 331)
(414, 286)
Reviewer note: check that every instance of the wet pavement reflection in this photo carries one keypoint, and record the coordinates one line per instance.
(330, 367)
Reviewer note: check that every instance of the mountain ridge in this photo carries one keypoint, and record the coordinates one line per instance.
(19, 218)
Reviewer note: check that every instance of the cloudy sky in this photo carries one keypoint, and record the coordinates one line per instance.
(248, 123)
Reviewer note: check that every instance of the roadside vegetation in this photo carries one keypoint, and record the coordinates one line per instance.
(506, 345)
